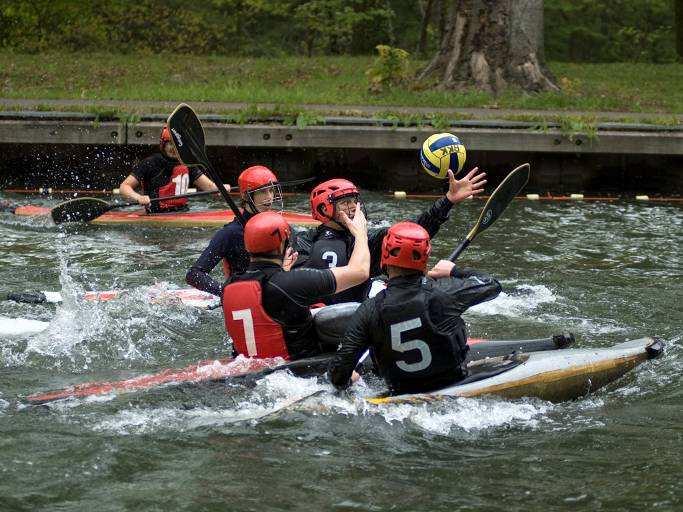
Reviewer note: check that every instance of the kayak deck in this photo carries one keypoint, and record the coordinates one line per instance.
(219, 370)
(192, 218)
(554, 376)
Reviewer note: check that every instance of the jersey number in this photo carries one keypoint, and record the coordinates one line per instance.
(331, 258)
(182, 182)
(248, 320)
(405, 346)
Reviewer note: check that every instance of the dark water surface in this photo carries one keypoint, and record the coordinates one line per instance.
(606, 272)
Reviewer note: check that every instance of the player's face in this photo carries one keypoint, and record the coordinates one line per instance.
(263, 199)
(346, 205)
(170, 151)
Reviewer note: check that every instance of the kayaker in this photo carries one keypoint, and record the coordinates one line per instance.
(267, 310)
(329, 245)
(259, 192)
(162, 175)
(416, 336)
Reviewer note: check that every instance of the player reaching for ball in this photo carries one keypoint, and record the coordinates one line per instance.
(330, 244)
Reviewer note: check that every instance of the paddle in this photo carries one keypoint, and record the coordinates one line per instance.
(497, 203)
(187, 136)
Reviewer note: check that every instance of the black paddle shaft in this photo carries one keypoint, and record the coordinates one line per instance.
(499, 200)
(187, 136)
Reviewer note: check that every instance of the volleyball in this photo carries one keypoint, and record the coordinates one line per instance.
(441, 152)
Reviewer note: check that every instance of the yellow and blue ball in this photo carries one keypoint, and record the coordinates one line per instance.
(441, 152)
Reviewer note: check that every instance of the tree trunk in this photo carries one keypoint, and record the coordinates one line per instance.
(425, 24)
(491, 44)
(678, 22)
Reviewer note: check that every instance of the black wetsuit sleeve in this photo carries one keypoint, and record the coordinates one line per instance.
(355, 342)
(195, 174)
(437, 214)
(198, 275)
(305, 286)
(467, 287)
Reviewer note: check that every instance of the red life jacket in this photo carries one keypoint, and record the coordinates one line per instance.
(254, 333)
(177, 185)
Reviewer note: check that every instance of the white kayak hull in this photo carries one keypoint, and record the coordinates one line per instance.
(553, 375)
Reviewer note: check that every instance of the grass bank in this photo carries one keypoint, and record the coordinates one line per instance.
(297, 81)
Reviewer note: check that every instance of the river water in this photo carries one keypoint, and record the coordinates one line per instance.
(605, 271)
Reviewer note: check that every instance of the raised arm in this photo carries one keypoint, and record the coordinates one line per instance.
(358, 268)
(470, 185)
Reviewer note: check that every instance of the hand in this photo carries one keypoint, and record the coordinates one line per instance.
(441, 269)
(143, 200)
(358, 227)
(290, 259)
(354, 377)
(227, 187)
(471, 185)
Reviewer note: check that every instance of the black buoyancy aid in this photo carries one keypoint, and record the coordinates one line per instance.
(254, 333)
(177, 184)
(415, 354)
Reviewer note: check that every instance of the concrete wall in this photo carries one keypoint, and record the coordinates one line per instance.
(77, 151)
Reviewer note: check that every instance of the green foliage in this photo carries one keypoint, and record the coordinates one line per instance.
(440, 122)
(246, 27)
(575, 30)
(389, 68)
(614, 31)
(571, 126)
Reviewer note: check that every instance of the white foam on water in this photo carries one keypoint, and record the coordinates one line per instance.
(4, 404)
(516, 303)
(273, 393)
(589, 326)
(468, 414)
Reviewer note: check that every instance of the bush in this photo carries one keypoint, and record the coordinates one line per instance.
(390, 68)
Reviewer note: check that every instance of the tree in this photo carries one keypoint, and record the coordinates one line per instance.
(678, 21)
(491, 44)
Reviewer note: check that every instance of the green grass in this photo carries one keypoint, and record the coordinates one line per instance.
(297, 81)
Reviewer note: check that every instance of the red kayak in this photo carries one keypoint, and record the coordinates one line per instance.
(192, 218)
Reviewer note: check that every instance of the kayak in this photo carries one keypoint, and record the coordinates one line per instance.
(10, 327)
(192, 218)
(223, 369)
(186, 296)
(552, 375)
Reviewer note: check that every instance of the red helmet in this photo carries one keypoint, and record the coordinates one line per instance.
(254, 177)
(406, 245)
(326, 194)
(164, 138)
(265, 232)
(259, 177)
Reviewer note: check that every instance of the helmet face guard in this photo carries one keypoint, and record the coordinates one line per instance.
(277, 203)
(325, 196)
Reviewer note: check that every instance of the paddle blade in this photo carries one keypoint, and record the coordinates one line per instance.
(510, 187)
(187, 136)
(82, 209)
